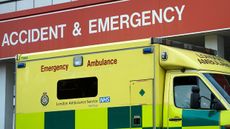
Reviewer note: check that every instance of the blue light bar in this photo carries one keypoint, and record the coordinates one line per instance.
(21, 65)
(147, 50)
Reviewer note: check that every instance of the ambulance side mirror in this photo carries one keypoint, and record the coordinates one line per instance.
(217, 105)
(195, 98)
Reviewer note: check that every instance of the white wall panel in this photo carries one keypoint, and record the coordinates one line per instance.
(28, 4)
(60, 1)
(7, 7)
(25, 4)
(40, 3)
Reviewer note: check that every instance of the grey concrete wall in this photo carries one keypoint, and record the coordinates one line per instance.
(215, 42)
(2, 95)
(10, 82)
(7, 82)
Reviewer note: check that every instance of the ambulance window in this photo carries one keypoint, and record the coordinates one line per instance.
(183, 87)
(77, 88)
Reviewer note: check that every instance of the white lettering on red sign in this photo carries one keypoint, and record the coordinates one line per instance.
(136, 19)
(99, 25)
(33, 35)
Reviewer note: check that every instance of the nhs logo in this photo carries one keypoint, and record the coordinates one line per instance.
(104, 99)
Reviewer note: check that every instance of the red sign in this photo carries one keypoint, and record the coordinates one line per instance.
(108, 22)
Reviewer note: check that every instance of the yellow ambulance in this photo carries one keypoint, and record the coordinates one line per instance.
(140, 84)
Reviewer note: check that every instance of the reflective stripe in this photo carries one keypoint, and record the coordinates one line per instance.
(200, 118)
(30, 121)
(60, 120)
(224, 118)
(91, 119)
(147, 116)
(202, 127)
(136, 112)
(119, 117)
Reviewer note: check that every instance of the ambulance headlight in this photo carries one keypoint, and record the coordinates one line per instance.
(78, 61)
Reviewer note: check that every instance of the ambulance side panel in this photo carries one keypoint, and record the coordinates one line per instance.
(43, 103)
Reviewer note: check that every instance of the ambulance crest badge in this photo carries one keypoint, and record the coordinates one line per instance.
(44, 99)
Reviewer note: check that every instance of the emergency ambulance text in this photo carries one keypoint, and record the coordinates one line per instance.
(101, 62)
(54, 68)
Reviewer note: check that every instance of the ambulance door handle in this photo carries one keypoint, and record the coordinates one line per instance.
(175, 119)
